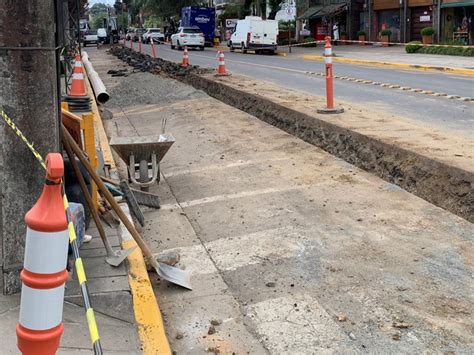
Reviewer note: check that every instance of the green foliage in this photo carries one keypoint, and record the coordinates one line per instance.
(413, 47)
(153, 21)
(343, 34)
(360, 33)
(232, 11)
(386, 32)
(284, 25)
(464, 52)
(98, 21)
(417, 47)
(308, 41)
(427, 31)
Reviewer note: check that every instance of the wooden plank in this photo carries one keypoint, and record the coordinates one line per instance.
(73, 124)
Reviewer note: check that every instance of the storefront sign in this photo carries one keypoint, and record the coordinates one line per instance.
(426, 18)
(231, 22)
(305, 32)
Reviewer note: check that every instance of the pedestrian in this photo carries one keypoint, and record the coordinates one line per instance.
(335, 33)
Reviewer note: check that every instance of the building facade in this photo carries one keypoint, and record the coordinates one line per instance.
(452, 20)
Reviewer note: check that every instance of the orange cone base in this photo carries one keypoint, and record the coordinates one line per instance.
(39, 342)
(330, 110)
(223, 74)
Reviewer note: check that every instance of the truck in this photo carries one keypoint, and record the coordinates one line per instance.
(202, 17)
(255, 34)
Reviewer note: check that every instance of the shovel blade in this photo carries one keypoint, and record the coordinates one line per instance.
(119, 256)
(174, 275)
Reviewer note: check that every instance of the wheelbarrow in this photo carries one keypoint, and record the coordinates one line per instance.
(143, 152)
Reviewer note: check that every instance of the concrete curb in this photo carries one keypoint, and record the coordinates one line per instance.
(450, 70)
(151, 329)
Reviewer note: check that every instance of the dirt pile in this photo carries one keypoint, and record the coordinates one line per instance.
(145, 63)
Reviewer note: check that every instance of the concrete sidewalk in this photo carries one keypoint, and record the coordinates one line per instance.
(292, 251)
(394, 55)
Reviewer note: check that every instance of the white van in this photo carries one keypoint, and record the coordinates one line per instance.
(255, 34)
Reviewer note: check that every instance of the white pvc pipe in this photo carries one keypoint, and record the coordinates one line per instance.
(99, 88)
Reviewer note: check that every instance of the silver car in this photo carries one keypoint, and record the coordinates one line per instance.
(189, 37)
(155, 34)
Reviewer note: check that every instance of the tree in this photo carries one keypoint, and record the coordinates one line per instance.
(275, 6)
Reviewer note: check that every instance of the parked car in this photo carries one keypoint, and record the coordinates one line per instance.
(154, 33)
(102, 35)
(138, 34)
(255, 34)
(129, 35)
(188, 36)
(90, 37)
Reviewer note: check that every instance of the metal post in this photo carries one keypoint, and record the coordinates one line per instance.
(329, 80)
(29, 96)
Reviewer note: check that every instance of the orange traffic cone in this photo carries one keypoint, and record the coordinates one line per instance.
(221, 68)
(185, 57)
(78, 86)
(44, 273)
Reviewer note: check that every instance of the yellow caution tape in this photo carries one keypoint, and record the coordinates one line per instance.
(94, 332)
(22, 137)
(72, 232)
(81, 274)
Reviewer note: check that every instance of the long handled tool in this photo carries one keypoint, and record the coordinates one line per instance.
(167, 272)
(114, 258)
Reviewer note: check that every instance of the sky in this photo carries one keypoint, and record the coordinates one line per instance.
(92, 2)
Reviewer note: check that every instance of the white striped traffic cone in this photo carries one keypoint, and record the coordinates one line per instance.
(185, 57)
(221, 68)
(44, 273)
(78, 85)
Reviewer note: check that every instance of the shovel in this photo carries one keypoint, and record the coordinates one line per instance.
(114, 258)
(167, 272)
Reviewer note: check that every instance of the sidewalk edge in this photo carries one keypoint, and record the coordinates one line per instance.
(149, 322)
(450, 70)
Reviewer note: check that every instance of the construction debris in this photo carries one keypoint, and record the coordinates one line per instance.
(145, 63)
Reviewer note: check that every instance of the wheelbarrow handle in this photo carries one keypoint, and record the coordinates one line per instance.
(108, 196)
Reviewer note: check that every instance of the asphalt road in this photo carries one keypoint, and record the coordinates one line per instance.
(291, 72)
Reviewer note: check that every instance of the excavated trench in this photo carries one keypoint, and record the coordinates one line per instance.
(446, 186)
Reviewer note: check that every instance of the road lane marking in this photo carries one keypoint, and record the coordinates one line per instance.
(306, 73)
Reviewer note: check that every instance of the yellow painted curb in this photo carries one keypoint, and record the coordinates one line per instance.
(461, 71)
(151, 329)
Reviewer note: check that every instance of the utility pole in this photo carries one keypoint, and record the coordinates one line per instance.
(28, 94)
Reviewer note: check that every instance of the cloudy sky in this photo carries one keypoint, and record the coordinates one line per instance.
(92, 2)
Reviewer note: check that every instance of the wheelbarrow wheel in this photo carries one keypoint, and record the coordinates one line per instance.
(144, 174)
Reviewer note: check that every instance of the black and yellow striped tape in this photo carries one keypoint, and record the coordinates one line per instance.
(81, 275)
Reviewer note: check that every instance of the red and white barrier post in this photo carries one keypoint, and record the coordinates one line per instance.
(44, 273)
(131, 43)
(140, 44)
(221, 71)
(329, 80)
(153, 50)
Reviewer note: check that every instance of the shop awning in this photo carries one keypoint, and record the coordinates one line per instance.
(458, 4)
(322, 11)
(310, 12)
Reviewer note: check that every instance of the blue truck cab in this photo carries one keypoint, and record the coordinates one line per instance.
(202, 17)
